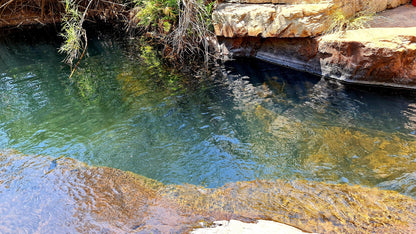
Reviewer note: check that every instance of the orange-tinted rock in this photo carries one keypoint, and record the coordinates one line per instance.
(380, 3)
(311, 206)
(373, 56)
(268, 20)
(282, 18)
(384, 54)
(44, 195)
(376, 56)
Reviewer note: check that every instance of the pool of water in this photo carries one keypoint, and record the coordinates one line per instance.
(246, 120)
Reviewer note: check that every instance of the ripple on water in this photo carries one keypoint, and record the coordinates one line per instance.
(251, 121)
(46, 195)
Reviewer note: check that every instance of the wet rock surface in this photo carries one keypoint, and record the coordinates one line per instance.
(40, 194)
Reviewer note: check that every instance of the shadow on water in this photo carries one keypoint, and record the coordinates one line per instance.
(328, 102)
(322, 130)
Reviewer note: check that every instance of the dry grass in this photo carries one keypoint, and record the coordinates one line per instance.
(182, 27)
(340, 22)
(193, 30)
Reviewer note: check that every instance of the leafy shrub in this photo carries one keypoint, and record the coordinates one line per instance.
(183, 25)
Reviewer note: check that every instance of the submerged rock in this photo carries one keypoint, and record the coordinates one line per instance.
(74, 197)
(337, 153)
(374, 158)
(312, 206)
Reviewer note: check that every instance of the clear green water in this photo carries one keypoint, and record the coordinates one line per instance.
(249, 120)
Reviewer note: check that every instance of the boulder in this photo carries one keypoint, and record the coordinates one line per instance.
(373, 56)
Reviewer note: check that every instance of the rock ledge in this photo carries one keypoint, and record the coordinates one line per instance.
(384, 54)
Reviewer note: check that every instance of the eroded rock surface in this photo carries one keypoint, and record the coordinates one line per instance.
(282, 18)
(381, 4)
(377, 55)
(268, 20)
(373, 56)
(43, 195)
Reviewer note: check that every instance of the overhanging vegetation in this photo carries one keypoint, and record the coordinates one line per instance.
(182, 27)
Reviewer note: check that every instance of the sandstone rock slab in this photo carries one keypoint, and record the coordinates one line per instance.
(302, 18)
(45, 195)
(377, 4)
(374, 56)
(268, 20)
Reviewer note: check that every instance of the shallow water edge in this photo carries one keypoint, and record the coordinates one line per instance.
(65, 195)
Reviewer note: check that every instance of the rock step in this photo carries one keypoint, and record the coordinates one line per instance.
(380, 3)
(269, 20)
(278, 1)
(373, 56)
(301, 18)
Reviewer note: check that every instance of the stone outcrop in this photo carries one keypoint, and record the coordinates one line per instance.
(302, 18)
(379, 56)
(268, 20)
(380, 3)
(373, 56)
(290, 35)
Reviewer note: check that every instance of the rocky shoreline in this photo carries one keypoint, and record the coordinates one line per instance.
(297, 34)
(383, 54)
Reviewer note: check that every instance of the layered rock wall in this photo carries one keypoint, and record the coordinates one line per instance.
(269, 20)
(295, 35)
(283, 18)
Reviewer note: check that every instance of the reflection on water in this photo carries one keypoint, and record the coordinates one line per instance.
(300, 127)
(250, 120)
(410, 114)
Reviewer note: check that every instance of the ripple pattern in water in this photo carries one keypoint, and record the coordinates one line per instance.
(44, 195)
(249, 121)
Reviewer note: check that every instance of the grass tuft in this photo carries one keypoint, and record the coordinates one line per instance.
(185, 26)
(341, 22)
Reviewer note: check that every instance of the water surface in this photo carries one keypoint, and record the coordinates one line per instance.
(246, 120)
